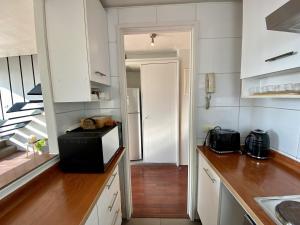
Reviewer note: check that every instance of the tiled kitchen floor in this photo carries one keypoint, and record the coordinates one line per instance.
(157, 221)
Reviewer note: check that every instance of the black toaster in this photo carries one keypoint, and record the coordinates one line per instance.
(223, 140)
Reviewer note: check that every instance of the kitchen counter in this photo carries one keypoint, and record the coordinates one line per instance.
(247, 178)
(56, 198)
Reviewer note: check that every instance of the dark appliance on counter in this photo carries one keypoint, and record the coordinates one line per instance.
(223, 140)
(89, 150)
(257, 144)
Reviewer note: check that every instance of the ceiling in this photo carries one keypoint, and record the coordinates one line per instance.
(165, 45)
(17, 31)
(123, 3)
(164, 42)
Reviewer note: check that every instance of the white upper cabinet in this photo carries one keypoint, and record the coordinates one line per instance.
(77, 38)
(98, 41)
(263, 50)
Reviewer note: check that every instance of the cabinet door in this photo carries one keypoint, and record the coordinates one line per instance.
(252, 45)
(93, 218)
(208, 194)
(67, 50)
(277, 43)
(97, 33)
(260, 44)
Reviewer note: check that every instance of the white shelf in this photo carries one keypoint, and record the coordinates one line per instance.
(272, 96)
(249, 86)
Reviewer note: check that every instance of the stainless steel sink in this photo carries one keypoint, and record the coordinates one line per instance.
(269, 203)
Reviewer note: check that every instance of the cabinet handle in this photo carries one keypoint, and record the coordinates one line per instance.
(210, 177)
(115, 217)
(112, 180)
(101, 74)
(281, 56)
(113, 201)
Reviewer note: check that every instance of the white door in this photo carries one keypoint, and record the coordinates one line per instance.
(160, 112)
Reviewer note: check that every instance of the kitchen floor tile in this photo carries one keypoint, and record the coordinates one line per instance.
(178, 222)
(142, 221)
(157, 221)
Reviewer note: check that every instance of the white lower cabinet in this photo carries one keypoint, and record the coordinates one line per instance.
(93, 218)
(208, 194)
(108, 207)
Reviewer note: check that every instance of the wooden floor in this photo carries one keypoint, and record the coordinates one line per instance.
(159, 191)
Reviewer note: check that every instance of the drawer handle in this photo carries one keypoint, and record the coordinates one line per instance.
(101, 74)
(113, 201)
(112, 180)
(115, 217)
(210, 177)
(281, 56)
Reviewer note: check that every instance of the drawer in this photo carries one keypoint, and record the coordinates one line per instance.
(206, 168)
(108, 213)
(109, 200)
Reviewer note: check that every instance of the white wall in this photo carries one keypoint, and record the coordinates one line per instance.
(133, 79)
(280, 117)
(220, 26)
(219, 50)
(184, 76)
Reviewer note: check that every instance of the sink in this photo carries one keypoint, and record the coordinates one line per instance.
(269, 203)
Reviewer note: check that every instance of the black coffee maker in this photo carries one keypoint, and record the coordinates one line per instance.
(257, 144)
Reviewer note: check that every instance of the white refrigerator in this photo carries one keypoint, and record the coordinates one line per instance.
(134, 123)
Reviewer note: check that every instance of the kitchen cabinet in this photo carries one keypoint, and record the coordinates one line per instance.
(260, 46)
(93, 218)
(208, 193)
(77, 37)
(107, 210)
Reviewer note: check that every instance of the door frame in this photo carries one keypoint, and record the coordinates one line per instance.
(163, 61)
(192, 154)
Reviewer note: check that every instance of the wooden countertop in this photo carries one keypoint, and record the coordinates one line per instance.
(56, 198)
(247, 178)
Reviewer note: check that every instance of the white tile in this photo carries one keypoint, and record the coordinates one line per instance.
(282, 126)
(66, 120)
(113, 57)
(133, 15)
(114, 102)
(115, 113)
(67, 107)
(220, 19)
(176, 13)
(246, 102)
(245, 121)
(227, 90)
(220, 55)
(226, 117)
(292, 104)
(112, 21)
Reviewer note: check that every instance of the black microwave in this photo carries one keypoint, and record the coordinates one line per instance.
(89, 150)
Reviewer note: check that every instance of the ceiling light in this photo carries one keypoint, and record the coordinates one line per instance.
(153, 36)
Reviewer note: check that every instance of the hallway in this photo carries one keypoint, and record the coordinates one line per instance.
(159, 191)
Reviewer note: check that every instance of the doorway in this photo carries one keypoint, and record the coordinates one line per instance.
(157, 79)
